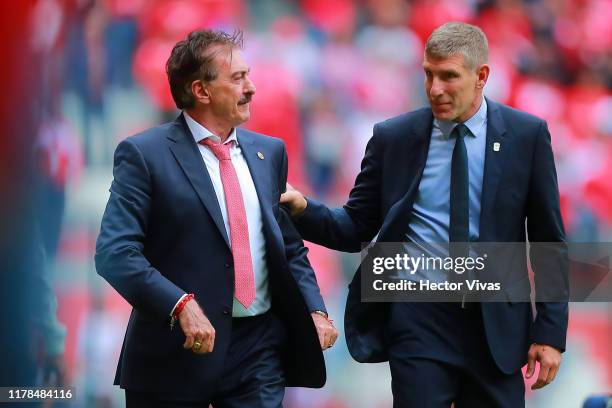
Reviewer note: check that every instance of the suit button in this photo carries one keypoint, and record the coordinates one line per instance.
(226, 311)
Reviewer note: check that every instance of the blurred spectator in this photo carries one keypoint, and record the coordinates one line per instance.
(59, 160)
(84, 71)
(325, 136)
(120, 39)
(52, 371)
(98, 337)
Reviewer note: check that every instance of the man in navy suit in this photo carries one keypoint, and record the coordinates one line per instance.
(465, 169)
(193, 237)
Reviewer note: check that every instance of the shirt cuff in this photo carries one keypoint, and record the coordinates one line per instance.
(176, 304)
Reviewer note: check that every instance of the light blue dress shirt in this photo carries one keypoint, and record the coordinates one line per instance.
(429, 223)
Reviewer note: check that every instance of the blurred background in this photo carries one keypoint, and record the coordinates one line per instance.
(325, 71)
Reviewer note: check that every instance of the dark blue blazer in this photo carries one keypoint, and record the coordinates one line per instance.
(519, 184)
(163, 235)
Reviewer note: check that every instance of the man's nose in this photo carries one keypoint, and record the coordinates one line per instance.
(250, 86)
(437, 87)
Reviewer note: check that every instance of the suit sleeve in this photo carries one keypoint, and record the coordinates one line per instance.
(548, 251)
(358, 221)
(297, 253)
(119, 249)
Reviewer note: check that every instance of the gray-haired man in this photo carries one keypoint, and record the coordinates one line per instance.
(464, 169)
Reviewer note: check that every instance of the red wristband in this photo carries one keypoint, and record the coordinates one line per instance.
(181, 305)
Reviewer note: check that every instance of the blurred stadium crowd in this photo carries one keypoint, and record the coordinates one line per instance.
(325, 71)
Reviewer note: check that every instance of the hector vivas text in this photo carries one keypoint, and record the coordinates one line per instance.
(426, 265)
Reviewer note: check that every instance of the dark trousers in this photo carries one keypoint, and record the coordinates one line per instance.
(252, 377)
(439, 355)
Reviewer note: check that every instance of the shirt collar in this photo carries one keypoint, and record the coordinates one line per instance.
(474, 123)
(200, 133)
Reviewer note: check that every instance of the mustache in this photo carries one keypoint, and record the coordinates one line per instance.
(246, 98)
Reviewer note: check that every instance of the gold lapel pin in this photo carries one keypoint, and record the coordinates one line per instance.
(496, 146)
(260, 155)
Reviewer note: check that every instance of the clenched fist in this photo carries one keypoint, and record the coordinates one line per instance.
(325, 329)
(199, 332)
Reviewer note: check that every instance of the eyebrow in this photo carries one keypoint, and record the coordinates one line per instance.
(242, 71)
(442, 71)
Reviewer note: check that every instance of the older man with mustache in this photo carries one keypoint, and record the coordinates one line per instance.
(226, 308)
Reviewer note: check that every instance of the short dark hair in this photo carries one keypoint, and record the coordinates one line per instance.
(192, 59)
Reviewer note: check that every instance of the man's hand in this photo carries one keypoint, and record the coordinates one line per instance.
(549, 359)
(296, 201)
(199, 333)
(326, 331)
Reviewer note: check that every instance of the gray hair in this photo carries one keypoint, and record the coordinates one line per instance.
(459, 39)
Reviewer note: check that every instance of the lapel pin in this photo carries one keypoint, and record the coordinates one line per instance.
(496, 146)
(260, 155)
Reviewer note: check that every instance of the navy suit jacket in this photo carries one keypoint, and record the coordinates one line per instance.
(519, 184)
(163, 235)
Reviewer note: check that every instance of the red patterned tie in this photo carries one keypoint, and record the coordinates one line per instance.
(244, 283)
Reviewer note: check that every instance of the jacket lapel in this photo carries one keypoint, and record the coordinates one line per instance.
(256, 156)
(186, 152)
(415, 147)
(496, 150)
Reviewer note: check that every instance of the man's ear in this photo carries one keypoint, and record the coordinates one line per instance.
(483, 75)
(200, 91)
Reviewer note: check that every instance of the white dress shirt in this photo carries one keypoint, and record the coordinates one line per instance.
(257, 242)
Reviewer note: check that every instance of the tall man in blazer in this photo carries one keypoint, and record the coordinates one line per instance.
(464, 169)
(193, 237)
